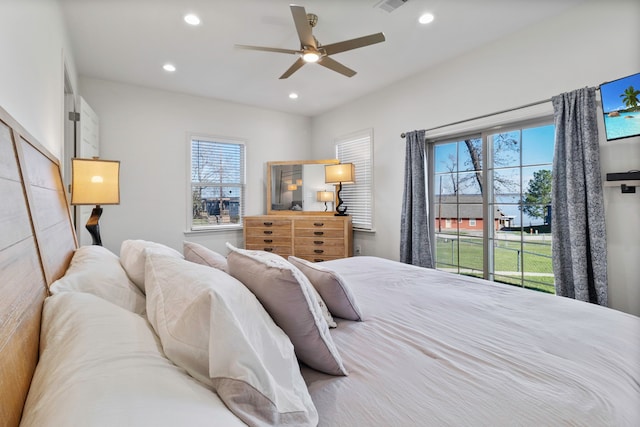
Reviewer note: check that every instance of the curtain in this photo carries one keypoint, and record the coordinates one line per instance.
(415, 244)
(577, 206)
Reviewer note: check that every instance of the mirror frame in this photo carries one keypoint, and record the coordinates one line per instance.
(269, 183)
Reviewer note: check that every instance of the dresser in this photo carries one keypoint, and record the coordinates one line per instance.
(312, 237)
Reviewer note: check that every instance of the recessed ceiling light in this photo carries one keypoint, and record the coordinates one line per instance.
(169, 67)
(192, 19)
(293, 95)
(426, 18)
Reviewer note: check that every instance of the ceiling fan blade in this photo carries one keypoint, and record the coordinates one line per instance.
(268, 49)
(334, 65)
(302, 26)
(295, 67)
(353, 43)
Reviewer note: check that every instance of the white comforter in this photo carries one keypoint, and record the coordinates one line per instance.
(441, 349)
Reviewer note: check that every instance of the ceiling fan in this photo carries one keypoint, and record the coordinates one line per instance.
(312, 51)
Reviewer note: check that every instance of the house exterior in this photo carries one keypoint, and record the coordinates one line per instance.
(464, 213)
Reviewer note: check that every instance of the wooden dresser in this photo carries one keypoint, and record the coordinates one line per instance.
(312, 237)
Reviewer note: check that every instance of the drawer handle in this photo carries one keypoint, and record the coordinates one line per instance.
(268, 224)
(268, 249)
(268, 240)
(318, 224)
(318, 251)
(318, 242)
(318, 260)
(268, 232)
(318, 233)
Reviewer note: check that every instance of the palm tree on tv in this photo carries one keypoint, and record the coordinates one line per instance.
(630, 98)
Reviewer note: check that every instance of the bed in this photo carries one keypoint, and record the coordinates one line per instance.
(91, 338)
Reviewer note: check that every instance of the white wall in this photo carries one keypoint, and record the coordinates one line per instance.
(34, 47)
(587, 45)
(147, 131)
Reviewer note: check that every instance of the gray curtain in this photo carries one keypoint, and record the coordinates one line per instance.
(415, 245)
(579, 243)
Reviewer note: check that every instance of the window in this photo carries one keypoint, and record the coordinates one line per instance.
(501, 183)
(357, 149)
(217, 183)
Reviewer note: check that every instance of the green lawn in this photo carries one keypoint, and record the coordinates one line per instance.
(528, 266)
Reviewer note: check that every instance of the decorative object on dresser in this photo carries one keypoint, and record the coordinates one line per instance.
(312, 237)
(325, 196)
(95, 182)
(343, 173)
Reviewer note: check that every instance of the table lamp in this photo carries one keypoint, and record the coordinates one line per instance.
(95, 182)
(325, 196)
(343, 173)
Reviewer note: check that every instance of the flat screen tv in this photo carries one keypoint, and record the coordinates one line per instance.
(621, 107)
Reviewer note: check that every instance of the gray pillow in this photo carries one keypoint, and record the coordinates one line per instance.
(289, 298)
(202, 255)
(332, 288)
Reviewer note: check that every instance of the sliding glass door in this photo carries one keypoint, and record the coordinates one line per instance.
(491, 205)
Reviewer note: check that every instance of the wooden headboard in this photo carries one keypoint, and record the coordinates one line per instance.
(37, 241)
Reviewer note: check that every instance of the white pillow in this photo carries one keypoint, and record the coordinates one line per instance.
(202, 255)
(132, 258)
(216, 329)
(290, 299)
(332, 287)
(96, 270)
(101, 365)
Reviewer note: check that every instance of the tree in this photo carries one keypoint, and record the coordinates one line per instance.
(630, 97)
(538, 194)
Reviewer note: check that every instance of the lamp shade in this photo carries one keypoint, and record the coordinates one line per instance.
(325, 196)
(292, 187)
(95, 182)
(344, 173)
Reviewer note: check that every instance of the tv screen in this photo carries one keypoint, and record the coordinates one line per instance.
(621, 107)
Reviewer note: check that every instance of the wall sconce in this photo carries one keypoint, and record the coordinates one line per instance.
(292, 187)
(95, 182)
(325, 196)
(343, 173)
(298, 182)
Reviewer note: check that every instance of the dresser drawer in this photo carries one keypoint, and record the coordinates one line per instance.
(318, 258)
(319, 232)
(318, 241)
(268, 240)
(323, 223)
(316, 250)
(284, 251)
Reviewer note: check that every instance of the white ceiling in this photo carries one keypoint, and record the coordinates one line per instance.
(129, 41)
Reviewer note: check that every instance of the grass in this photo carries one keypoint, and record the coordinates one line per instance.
(528, 265)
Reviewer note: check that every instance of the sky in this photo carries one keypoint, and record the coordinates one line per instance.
(537, 147)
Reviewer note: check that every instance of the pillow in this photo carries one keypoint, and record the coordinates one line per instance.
(199, 254)
(289, 298)
(132, 258)
(101, 365)
(96, 270)
(215, 328)
(332, 288)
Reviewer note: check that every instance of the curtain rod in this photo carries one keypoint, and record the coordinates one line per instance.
(402, 135)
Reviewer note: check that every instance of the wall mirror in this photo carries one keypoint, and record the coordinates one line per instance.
(293, 186)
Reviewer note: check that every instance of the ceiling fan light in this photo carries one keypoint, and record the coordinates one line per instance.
(310, 57)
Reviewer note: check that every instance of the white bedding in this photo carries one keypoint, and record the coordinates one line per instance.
(441, 349)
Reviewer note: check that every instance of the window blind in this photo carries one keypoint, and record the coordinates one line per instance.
(358, 197)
